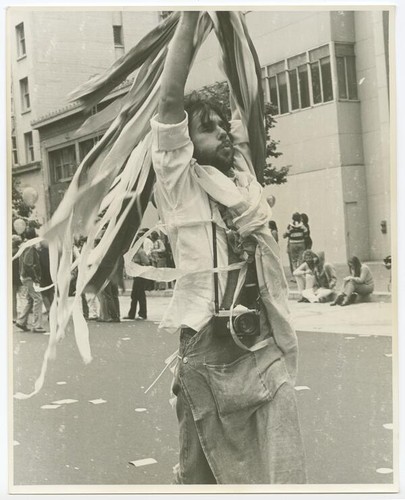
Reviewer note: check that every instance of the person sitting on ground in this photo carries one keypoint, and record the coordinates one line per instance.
(304, 274)
(324, 281)
(360, 282)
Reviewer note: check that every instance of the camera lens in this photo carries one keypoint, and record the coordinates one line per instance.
(246, 324)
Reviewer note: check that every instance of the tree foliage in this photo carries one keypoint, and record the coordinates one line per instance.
(219, 93)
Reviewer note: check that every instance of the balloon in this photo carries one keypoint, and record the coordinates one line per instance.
(271, 200)
(19, 226)
(30, 196)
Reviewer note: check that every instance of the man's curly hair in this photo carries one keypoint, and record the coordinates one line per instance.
(197, 104)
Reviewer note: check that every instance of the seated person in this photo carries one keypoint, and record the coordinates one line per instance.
(304, 274)
(325, 280)
(360, 282)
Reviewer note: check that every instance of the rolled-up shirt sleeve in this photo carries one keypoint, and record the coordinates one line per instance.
(172, 151)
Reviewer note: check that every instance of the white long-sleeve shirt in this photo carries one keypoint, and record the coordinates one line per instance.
(187, 210)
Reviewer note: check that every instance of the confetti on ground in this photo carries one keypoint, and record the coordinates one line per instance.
(388, 355)
(384, 470)
(302, 388)
(97, 401)
(144, 461)
(50, 407)
(126, 338)
(350, 338)
(23, 341)
(388, 426)
(361, 81)
(140, 410)
(64, 402)
(62, 382)
(77, 468)
(15, 443)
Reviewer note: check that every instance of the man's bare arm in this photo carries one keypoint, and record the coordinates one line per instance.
(171, 104)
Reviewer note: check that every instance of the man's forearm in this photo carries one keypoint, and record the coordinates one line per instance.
(171, 104)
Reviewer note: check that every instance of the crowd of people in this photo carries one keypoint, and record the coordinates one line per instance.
(316, 279)
(33, 289)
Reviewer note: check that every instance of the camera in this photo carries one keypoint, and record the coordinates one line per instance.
(246, 322)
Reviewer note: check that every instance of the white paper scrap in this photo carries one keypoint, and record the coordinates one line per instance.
(388, 355)
(140, 410)
(62, 382)
(97, 401)
(15, 443)
(126, 338)
(302, 388)
(388, 426)
(350, 338)
(50, 407)
(361, 81)
(384, 470)
(23, 341)
(64, 402)
(144, 461)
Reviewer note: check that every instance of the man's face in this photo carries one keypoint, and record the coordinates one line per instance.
(212, 145)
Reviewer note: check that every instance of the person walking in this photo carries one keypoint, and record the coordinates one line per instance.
(158, 256)
(138, 289)
(30, 271)
(360, 282)
(236, 406)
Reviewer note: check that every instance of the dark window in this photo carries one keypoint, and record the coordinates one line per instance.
(273, 94)
(29, 147)
(117, 31)
(14, 149)
(304, 86)
(341, 73)
(295, 101)
(346, 71)
(62, 163)
(86, 146)
(316, 83)
(21, 49)
(282, 92)
(25, 95)
(327, 88)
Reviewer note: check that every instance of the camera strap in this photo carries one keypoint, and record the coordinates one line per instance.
(237, 289)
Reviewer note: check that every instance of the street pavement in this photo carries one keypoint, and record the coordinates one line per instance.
(344, 393)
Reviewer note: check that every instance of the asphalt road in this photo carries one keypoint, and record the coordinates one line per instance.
(343, 391)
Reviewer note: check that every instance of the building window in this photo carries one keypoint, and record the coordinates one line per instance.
(321, 75)
(25, 95)
(62, 163)
(29, 147)
(14, 150)
(346, 71)
(86, 146)
(21, 50)
(298, 79)
(118, 40)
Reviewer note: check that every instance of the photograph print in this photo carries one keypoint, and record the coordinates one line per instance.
(200, 250)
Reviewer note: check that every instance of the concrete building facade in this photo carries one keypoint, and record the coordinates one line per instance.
(51, 52)
(326, 73)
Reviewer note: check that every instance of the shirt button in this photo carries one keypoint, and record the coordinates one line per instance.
(185, 359)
